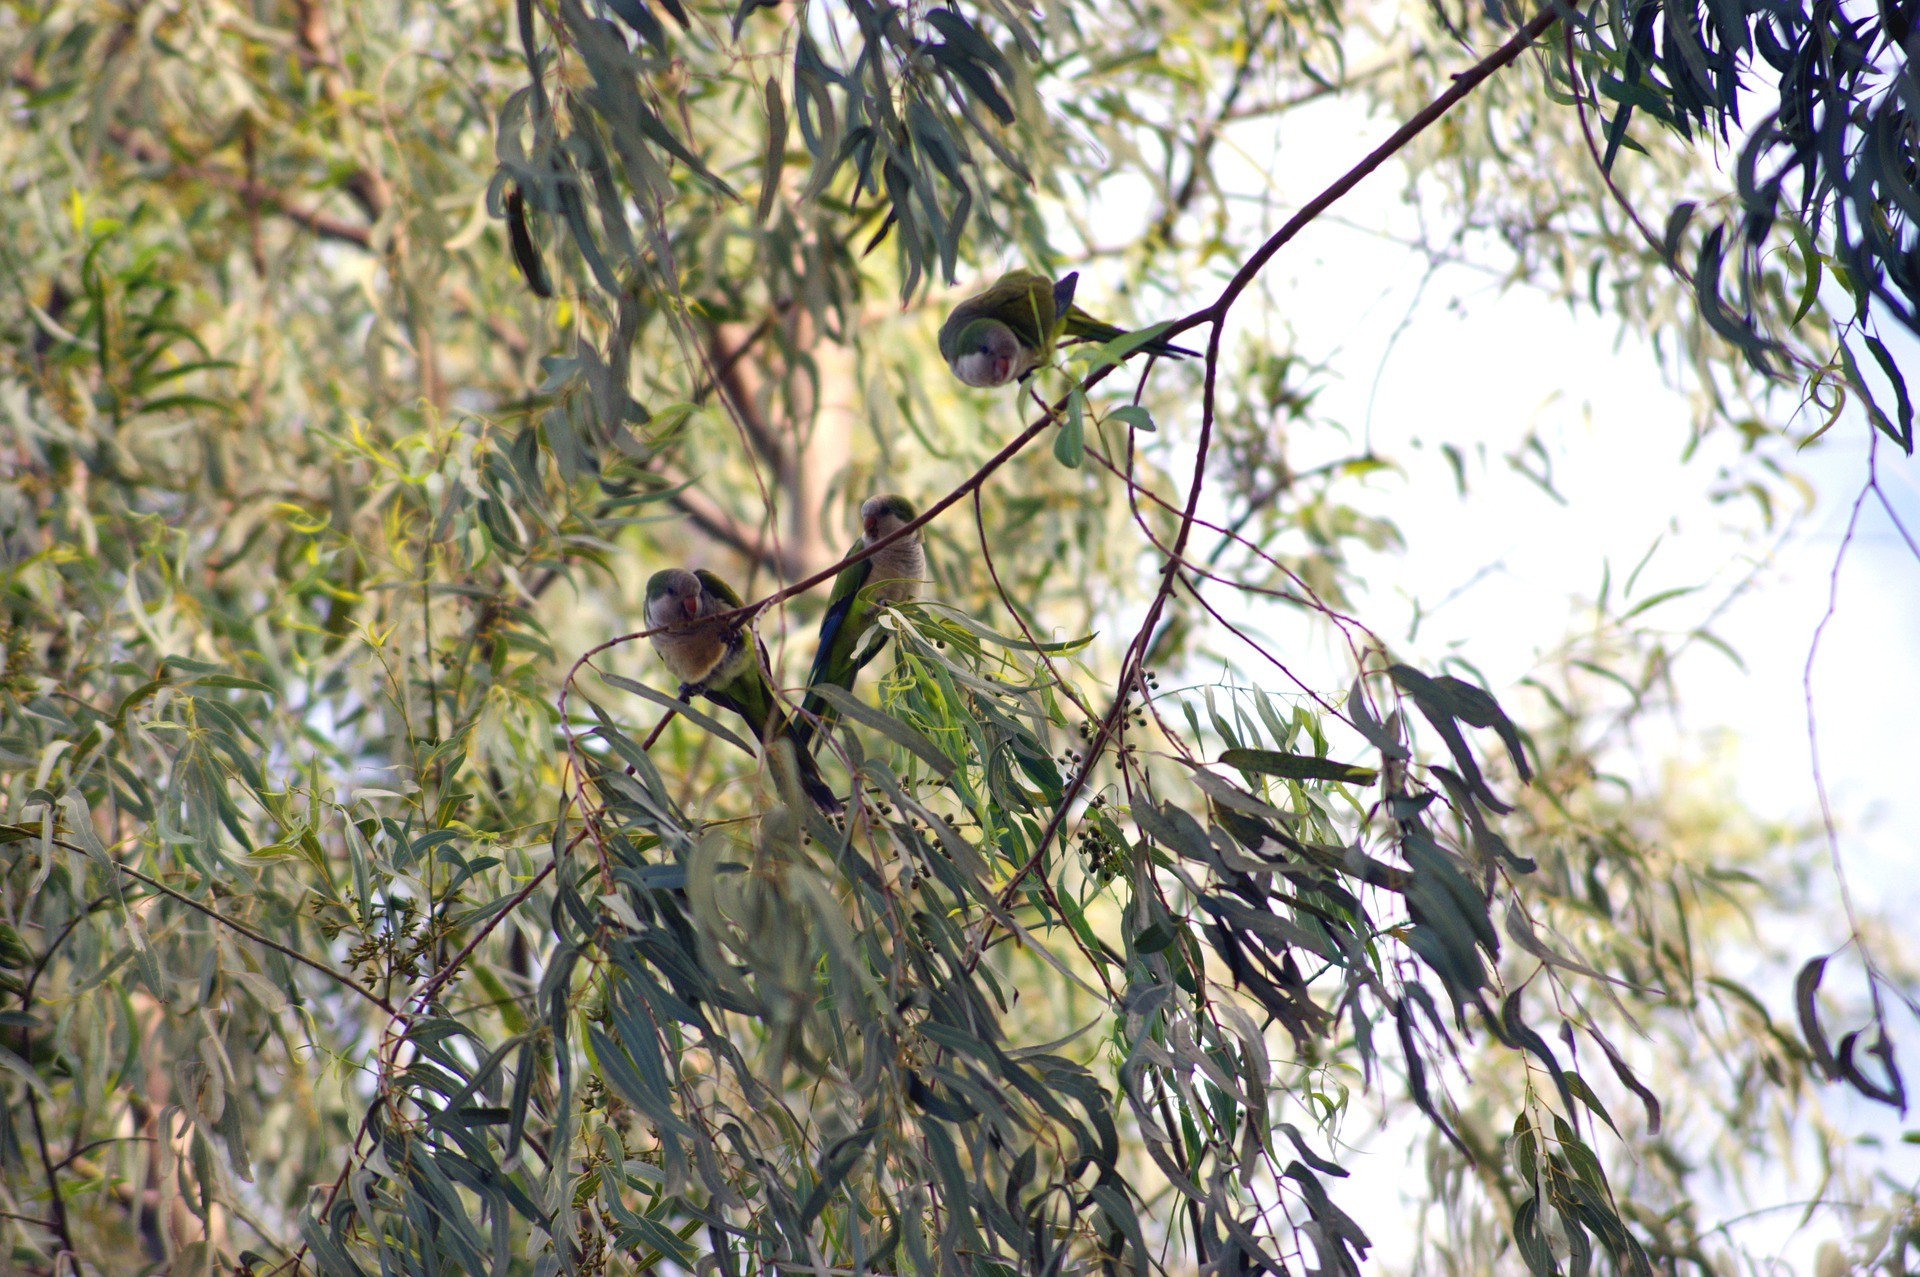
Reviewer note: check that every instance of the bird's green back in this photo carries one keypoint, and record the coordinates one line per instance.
(1078, 323)
(743, 688)
(1020, 299)
(850, 579)
(717, 586)
(740, 684)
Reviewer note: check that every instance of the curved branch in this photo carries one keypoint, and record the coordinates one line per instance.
(1214, 315)
(747, 611)
(294, 955)
(1463, 84)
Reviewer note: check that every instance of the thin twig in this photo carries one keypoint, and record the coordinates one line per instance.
(231, 924)
(421, 998)
(1214, 315)
(1047, 891)
(1209, 131)
(1305, 597)
(747, 611)
(54, 1196)
(439, 978)
(1813, 722)
(1463, 84)
(658, 727)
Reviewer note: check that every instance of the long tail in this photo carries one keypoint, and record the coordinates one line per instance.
(807, 772)
(1169, 350)
(775, 727)
(814, 713)
(1081, 326)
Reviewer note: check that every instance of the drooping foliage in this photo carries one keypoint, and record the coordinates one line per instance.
(364, 915)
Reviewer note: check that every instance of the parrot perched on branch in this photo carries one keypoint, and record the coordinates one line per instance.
(893, 575)
(1009, 330)
(724, 662)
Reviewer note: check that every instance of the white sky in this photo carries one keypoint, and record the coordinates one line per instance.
(1479, 366)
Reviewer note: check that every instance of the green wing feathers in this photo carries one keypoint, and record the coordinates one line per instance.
(833, 660)
(1021, 299)
(1080, 326)
(718, 587)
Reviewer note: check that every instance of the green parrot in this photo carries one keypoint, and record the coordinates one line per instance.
(1009, 330)
(723, 661)
(891, 576)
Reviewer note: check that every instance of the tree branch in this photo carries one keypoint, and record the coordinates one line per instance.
(1209, 132)
(54, 1196)
(1214, 315)
(1463, 84)
(747, 611)
(250, 192)
(266, 942)
(724, 528)
(365, 184)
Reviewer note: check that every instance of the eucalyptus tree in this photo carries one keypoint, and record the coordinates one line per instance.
(372, 903)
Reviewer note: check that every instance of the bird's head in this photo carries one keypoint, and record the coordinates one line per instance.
(673, 597)
(884, 515)
(986, 354)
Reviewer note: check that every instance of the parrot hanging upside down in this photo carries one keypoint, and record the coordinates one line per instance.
(893, 575)
(724, 662)
(1009, 330)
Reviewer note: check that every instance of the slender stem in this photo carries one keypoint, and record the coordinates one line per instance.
(58, 1224)
(39, 968)
(1214, 314)
(1463, 84)
(54, 1197)
(748, 611)
(453, 964)
(1813, 720)
(291, 954)
(658, 727)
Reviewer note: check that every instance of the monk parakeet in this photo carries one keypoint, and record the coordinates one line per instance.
(723, 661)
(891, 576)
(1009, 330)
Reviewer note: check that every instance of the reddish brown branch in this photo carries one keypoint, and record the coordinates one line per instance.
(747, 611)
(254, 194)
(250, 193)
(439, 978)
(1047, 891)
(58, 1225)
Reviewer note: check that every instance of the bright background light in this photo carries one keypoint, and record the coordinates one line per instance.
(1504, 573)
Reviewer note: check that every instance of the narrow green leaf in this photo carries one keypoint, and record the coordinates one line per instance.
(775, 158)
(1270, 762)
(1805, 986)
(887, 725)
(1069, 442)
(1110, 353)
(685, 710)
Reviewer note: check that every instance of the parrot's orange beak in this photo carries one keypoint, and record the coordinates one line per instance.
(691, 606)
(872, 527)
